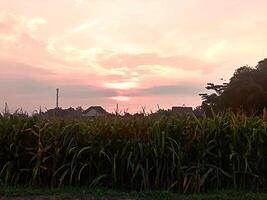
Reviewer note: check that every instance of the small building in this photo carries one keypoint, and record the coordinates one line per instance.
(182, 110)
(58, 112)
(95, 111)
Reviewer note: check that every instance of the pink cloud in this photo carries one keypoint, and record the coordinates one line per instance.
(17, 70)
(7, 24)
(17, 39)
(135, 60)
(150, 49)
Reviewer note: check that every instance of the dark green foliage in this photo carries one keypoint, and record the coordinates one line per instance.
(246, 91)
(138, 153)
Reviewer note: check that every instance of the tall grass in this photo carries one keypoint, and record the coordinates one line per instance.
(186, 154)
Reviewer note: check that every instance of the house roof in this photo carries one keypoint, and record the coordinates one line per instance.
(98, 109)
(182, 109)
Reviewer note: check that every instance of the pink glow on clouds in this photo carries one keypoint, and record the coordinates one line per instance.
(138, 53)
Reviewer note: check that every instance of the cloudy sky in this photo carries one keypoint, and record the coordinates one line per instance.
(132, 52)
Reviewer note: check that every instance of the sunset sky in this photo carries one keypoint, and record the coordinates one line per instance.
(131, 52)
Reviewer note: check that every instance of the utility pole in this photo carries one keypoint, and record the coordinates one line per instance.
(57, 97)
(6, 108)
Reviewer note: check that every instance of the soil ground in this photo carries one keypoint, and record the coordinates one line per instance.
(63, 198)
(80, 193)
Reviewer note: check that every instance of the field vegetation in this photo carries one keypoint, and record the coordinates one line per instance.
(171, 153)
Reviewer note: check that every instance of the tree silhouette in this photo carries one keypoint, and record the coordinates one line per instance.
(246, 91)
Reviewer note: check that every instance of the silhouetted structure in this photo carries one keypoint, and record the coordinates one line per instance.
(95, 111)
(69, 113)
(181, 110)
(57, 97)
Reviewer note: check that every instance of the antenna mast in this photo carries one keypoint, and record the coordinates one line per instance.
(57, 97)
(6, 108)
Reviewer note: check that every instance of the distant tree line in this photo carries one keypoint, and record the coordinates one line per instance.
(246, 91)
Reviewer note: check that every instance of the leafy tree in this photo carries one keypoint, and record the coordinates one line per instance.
(212, 100)
(246, 91)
